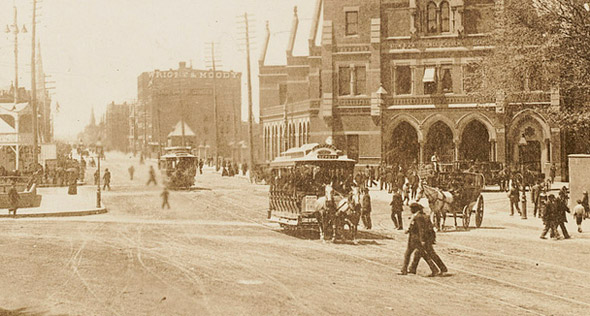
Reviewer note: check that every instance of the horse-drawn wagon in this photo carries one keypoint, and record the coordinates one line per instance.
(456, 193)
(299, 179)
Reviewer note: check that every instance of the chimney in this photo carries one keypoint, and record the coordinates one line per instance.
(294, 25)
(182, 65)
(265, 46)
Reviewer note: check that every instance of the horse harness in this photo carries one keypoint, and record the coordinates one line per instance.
(444, 198)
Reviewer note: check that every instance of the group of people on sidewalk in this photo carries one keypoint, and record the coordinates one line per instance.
(550, 208)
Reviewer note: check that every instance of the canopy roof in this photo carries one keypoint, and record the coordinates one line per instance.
(5, 128)
(177, 132)
(12, 108)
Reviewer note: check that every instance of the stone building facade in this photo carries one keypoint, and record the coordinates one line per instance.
(169, 96)
(391, 81)
(117, 126)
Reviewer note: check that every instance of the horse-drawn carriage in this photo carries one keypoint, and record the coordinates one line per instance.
(178, 167)
(457, 193)
(303, 177)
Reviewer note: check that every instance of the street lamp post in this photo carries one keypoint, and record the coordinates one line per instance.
(98, 193)
(522, 145)
(380, 92)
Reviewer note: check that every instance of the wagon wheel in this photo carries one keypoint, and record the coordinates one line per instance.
(466, 216)
(479, 211)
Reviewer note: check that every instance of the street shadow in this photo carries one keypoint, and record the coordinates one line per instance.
(464, 230)
(363, 237)
(446, 275)
(491, 227)
(24, 312)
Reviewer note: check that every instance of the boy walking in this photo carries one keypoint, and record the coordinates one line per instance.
(579, 214)
(165, 194)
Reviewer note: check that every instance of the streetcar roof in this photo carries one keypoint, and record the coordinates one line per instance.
(178, 155)
(177, 152)
(310, 153)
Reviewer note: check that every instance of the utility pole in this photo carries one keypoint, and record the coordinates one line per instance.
(182, 111)
(34, 86)
(250, 118)
(15, 30)
(215, 109)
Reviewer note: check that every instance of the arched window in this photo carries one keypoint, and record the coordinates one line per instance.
(431, 18)
(445, 17)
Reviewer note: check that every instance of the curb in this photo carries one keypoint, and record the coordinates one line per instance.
(86, 212)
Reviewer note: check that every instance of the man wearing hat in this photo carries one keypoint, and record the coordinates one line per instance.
(430, 239)
(549, 216)
(585, 204)
(417, 240)
(366, 208)
(397, 208)
(579, 212)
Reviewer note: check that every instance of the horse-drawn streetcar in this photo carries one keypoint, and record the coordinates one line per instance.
(456, 193)
(299, 178)
(178, 167)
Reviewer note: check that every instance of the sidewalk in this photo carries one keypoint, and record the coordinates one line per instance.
(496, 211)
(56, 202)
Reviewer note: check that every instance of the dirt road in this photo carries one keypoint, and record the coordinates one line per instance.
(214, 254)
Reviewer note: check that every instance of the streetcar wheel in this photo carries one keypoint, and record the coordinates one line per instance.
(479, 211)
(466, 216)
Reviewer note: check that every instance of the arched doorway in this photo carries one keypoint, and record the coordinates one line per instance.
(530, 141)
(402, 146)
(475, 142)
(440, 140)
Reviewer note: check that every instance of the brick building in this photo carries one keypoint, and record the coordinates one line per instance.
(391, 81)
(185, 94)
(117, 126)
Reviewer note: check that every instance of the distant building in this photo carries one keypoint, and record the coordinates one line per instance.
(117, 126)
(167, 97)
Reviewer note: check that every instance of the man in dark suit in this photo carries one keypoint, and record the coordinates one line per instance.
(417, 241)
(561, 218)
(396, 210)
(430, 239)
(535, 194)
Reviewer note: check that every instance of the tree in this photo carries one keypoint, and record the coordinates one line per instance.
(542, 45)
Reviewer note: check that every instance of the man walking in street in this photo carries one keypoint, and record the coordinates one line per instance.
(535, 194)
(131, 172)
(13, 199)
(165, 194)
(366, 208)
(96, 177)
(396, 210)
(514, 198)
(430, 239)
(549, 218)
(552, 171)
(579, 213)
(107, 179)
(561, 218)
(152, 175)
(585, 204)
(416, 241)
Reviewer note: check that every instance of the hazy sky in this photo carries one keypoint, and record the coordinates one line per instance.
(95, 49)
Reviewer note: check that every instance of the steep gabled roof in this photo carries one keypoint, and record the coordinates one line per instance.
(178, 130)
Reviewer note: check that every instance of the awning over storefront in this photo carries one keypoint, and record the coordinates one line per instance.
(429, 75)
